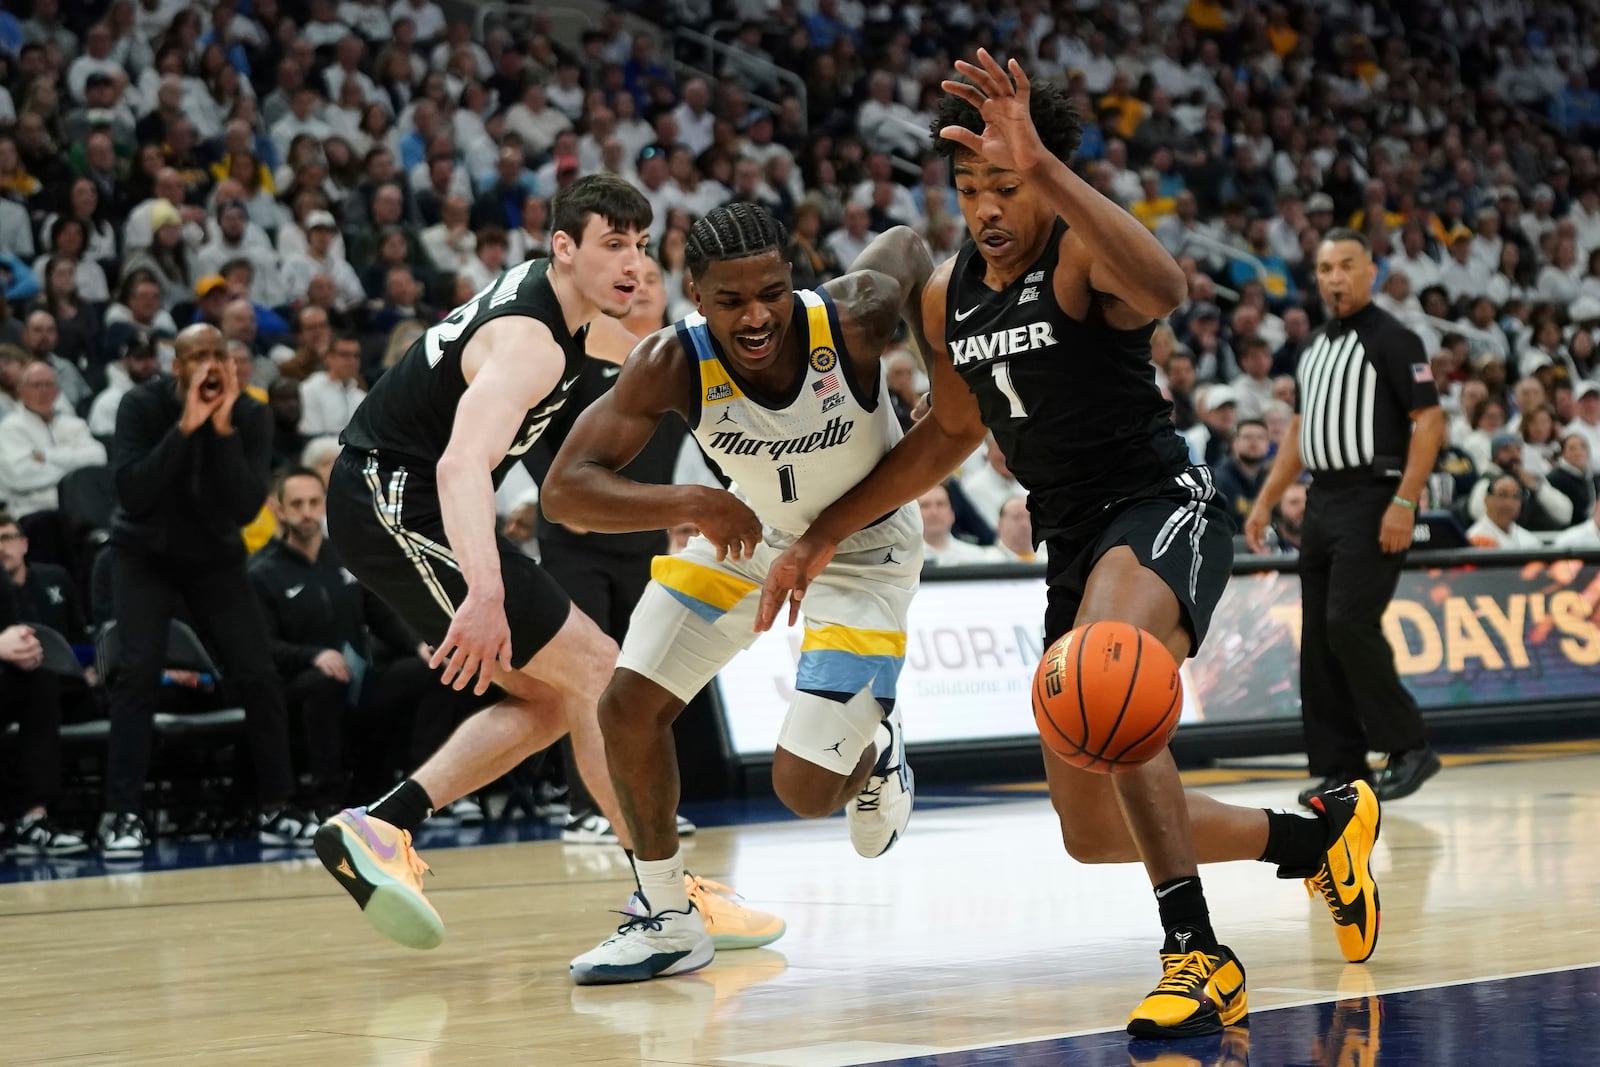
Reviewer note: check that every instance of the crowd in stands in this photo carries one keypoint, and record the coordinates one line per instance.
(323, 179)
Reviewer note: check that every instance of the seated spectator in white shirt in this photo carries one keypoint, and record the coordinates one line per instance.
(989, 486)
(330, 396)
(319, 258)
(40, 445)
(939, 547)
(1014, 534)
(1498, 528)
(450, 244)
(1585, 535)
(136, 363)
(851, 239)
(885, 122)
(490, 258)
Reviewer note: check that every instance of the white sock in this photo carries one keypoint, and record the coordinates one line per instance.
(661, 883)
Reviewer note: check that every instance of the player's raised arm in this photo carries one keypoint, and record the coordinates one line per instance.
(885, 284)
(583, 488)
(511, 364)
(1127, 262)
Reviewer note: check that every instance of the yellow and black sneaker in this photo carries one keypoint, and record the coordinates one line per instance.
(1345, 878)
(1199, 993)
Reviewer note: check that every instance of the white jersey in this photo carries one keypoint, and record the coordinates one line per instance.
(789, 463)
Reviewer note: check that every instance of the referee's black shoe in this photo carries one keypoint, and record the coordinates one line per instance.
(1406, 772)
(1333, 781)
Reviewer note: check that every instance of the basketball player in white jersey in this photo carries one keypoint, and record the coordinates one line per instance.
(784, 391)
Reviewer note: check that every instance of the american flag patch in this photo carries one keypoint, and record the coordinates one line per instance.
(1421, 372)
(826, 384)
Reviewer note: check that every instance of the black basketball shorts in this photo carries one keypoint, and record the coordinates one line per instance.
(1180, 531)
(386, 524)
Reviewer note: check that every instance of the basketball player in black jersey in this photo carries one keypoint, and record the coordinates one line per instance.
(1040, 330)
(411, 511)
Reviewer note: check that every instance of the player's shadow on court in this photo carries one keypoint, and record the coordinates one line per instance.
(671, 1016)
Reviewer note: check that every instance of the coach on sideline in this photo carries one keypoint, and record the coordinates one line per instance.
(1368, 427)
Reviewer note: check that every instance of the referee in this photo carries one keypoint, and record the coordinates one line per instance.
(1368, 427)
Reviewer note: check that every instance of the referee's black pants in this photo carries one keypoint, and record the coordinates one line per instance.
(1351, 698)
(145, 589)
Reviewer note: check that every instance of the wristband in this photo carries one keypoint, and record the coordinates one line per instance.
(1403, 502)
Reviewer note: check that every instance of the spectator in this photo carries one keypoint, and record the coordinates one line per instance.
(1498, 527)
(1585, 536)
(1585, 419)
(900, 376)
(136, 364)
(167, 257)
(1288, 521)
(939, 547)
(1543, 506)
(321, 628)
(30, 696)
(1014, 539)
(77, 319)
(330, 396)
(990, 485)
(851, 240)
(1253, 387)
(1180, 389)
(190, 463)
(40, 445)
(321, 258)
(1570, 475)
(450, 244)
(1240, 476)
(1210, 437)
(39, 337)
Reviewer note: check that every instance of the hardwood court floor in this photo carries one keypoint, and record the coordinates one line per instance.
(977, 931)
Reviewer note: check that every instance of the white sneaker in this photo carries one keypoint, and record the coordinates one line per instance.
(596, 829)
(465, 811)
(645, 947)
(879, 813)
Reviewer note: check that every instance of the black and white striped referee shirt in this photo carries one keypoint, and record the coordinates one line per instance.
(1359, 379)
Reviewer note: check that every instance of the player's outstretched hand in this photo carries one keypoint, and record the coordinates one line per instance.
(478, 641)
(791, 573)
(728, 523)
(1255, 528)
(1009, 139)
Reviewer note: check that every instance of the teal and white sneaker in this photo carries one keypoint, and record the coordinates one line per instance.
(645, 947)
(879, 813)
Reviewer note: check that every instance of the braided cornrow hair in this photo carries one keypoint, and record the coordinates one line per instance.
(734, 231)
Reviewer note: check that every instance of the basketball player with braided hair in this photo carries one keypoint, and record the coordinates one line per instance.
(784, 390)
(1040, 331)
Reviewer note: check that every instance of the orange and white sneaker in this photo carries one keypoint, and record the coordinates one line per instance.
(731, 924)
(375, 863)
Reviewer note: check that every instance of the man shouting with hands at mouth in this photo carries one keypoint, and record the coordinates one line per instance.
(190, 462)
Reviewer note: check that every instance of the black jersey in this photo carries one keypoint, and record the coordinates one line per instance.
(654, 465)
(407, 417)
(1074, 405)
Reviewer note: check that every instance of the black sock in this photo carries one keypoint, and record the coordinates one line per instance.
(406, 806)
(1296, 843)
(1184, 916)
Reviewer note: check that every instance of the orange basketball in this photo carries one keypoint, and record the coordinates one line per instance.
(1107, 697)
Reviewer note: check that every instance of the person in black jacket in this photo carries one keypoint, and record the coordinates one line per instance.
(321, 621)
(189, 458)
(30, 696)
